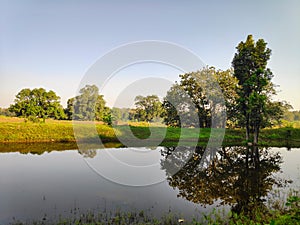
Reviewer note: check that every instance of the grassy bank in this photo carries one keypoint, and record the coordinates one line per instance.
(15, 130)
(288, 214)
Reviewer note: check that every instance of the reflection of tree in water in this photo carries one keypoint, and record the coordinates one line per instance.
(238, 176)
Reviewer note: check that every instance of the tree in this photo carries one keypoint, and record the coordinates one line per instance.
(89, 105)
(120, 114)
(178, 110)
(196, 91)
(148, 108)
(6, 112)
(255, 86)
(228, 84)
(196, 98)
(292, 115)
(37, 103)
(69, 111)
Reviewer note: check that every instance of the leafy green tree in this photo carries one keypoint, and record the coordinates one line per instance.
(120, 114)
(37, 103)
(89, 105)
(170, 113)
(196, 91)
(85, 103)
(178, 110)
(190, 97)
(228, 85)
(255, 86)
(148, 108)
(69, 111)
(102, 112)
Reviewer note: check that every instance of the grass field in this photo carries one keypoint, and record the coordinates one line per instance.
(15, 130)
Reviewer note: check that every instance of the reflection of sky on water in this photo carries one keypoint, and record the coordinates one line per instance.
(290, 165)
(54, 183)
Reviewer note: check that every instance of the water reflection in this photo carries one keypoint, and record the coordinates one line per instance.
(51, 183)
(238, 176)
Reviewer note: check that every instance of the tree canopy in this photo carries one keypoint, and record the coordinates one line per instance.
(243, 93)
(255, 106)
(89, 105)
(37, 103)
(148, 108)
(195, 98)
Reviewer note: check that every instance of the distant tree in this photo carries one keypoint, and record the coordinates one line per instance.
(197, 96)
(89, 105)
(6, 112)
(255, 86)
(69, 111)
(102, 112)
(170, 113)
(291, 115)
(147, 108)
(132, 115)
(178, 108)
(196, 92)
(37, 103)
(274, 113)
(120, 114)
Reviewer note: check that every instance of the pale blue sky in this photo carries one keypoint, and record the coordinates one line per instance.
(51, 44)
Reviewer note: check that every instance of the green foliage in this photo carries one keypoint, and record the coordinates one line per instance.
(193, 101)
(6, 112)
(89, 105)
(37, 103)
(292, 116)
(148, 108)
(176, 104)
(120, 114)
(256, 110)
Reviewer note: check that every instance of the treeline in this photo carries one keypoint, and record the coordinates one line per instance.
(292, 116)
(186, 99)
(242, 95)
(38, 104)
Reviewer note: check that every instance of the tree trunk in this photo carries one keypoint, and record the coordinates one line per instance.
(247, 116)
(256, 133)
(247, 133)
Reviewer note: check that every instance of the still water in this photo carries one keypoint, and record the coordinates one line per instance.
(156, 180)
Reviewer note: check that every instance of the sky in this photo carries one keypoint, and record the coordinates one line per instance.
(52, 44)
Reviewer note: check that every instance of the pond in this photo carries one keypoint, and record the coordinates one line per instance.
(189, 181)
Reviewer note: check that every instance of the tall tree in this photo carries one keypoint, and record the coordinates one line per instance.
(89, 105)
(255, 86)
(147, 108)
(37, 103)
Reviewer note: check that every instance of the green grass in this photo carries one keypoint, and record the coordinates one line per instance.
(288, 215)
(15, 130)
